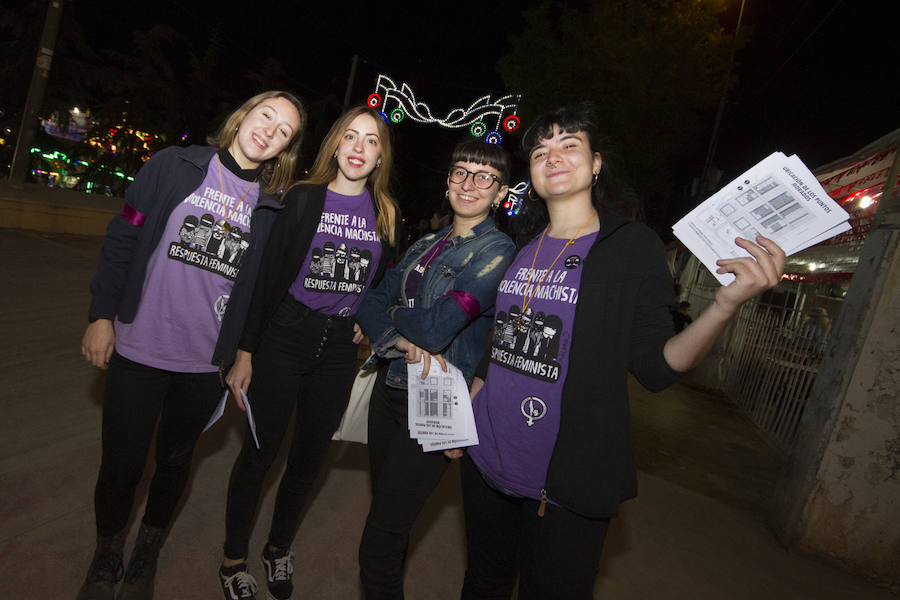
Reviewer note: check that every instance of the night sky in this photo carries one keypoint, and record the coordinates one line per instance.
(817, 77)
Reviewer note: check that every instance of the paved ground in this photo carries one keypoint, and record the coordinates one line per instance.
(697, 529)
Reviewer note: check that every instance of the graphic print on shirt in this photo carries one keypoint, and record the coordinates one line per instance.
(335, 268)
(527, 342)
(217, 239)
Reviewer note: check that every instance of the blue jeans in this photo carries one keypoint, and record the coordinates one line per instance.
(403, 478)
(135, 397)
(554, 556)
(305, 364)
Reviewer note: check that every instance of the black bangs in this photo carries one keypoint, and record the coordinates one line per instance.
(569, 119)
(480, 152)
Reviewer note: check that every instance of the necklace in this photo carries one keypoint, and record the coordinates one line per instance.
(228, 215)
(528, 297)
(437, 248)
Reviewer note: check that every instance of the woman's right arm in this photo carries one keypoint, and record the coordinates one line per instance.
(115, 261)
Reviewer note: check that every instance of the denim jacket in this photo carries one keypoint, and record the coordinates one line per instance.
(454, 304)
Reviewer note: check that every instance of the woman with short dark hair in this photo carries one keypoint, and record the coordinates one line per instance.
(438, 301)
(585, 302)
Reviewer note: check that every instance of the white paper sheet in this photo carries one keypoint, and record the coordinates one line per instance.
(778, 198)
(220, 410)
(439, 408)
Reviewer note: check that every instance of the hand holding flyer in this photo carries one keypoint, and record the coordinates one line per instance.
(440, 410)
(778, 198)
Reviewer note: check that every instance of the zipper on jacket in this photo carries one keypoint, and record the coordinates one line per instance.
(222, 373)
(543, 504)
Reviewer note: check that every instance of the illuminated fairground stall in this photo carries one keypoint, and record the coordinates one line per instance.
(79, 153)
(769, 358)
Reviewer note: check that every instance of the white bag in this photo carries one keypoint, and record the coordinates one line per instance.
(354, 425)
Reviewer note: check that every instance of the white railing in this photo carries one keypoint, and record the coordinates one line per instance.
(772, 359)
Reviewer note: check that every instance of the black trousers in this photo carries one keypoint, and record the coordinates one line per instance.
(135, 397)
(555, 556)
(305, 363)
(403, 478)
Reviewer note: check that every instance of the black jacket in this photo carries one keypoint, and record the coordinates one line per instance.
(131, 237)
(282, 260)
(622, 322)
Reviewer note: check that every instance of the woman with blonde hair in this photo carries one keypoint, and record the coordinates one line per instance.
(170, 294)
(328, 247)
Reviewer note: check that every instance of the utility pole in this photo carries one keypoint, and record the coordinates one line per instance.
(703, 188)
(35, 98)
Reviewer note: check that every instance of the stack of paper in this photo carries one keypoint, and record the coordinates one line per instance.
(778, 198)
(440, 411)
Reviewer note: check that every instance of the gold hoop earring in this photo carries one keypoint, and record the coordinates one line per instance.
(594, 180)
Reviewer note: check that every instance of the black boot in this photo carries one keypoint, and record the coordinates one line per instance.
(105, 570)
(141, 570)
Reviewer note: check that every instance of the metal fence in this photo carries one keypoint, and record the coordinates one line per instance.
(772, 359)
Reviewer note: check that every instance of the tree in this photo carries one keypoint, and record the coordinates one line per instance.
(654, 69)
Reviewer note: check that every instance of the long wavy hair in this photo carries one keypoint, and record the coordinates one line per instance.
(325, 169)
(278, 172)
(608, 195)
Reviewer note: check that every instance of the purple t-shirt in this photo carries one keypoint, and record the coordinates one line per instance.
(517, 411)
(342, 257)
(190, 275)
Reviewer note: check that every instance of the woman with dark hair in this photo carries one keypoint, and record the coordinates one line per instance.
(585, 302)
(171, 291)
(328, 247)
(438, 301)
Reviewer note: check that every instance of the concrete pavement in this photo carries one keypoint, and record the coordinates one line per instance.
(696, 531)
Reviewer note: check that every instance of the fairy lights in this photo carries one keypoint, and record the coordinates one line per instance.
(515, 198)
(397, 103)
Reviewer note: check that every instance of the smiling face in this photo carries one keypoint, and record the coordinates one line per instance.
(563, 165)
(266, 130)
(359, 150)
(469, 201)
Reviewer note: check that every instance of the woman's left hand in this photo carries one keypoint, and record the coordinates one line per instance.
(752, 275)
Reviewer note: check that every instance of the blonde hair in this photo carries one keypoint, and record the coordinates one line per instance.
(325, 169)
(278, 172)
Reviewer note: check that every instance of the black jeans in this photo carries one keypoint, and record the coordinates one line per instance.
(555, 556)
(134, 398)
(305, 363)
(403, 477)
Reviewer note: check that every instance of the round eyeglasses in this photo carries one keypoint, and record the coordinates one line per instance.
(481, 179)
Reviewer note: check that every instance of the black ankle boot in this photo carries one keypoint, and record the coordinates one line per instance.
(141, 570)
(105, 570)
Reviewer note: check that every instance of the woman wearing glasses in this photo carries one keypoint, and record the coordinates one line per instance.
(438, 301)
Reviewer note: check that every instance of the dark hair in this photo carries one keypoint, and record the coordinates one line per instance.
(480, 152)
(608, 195)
